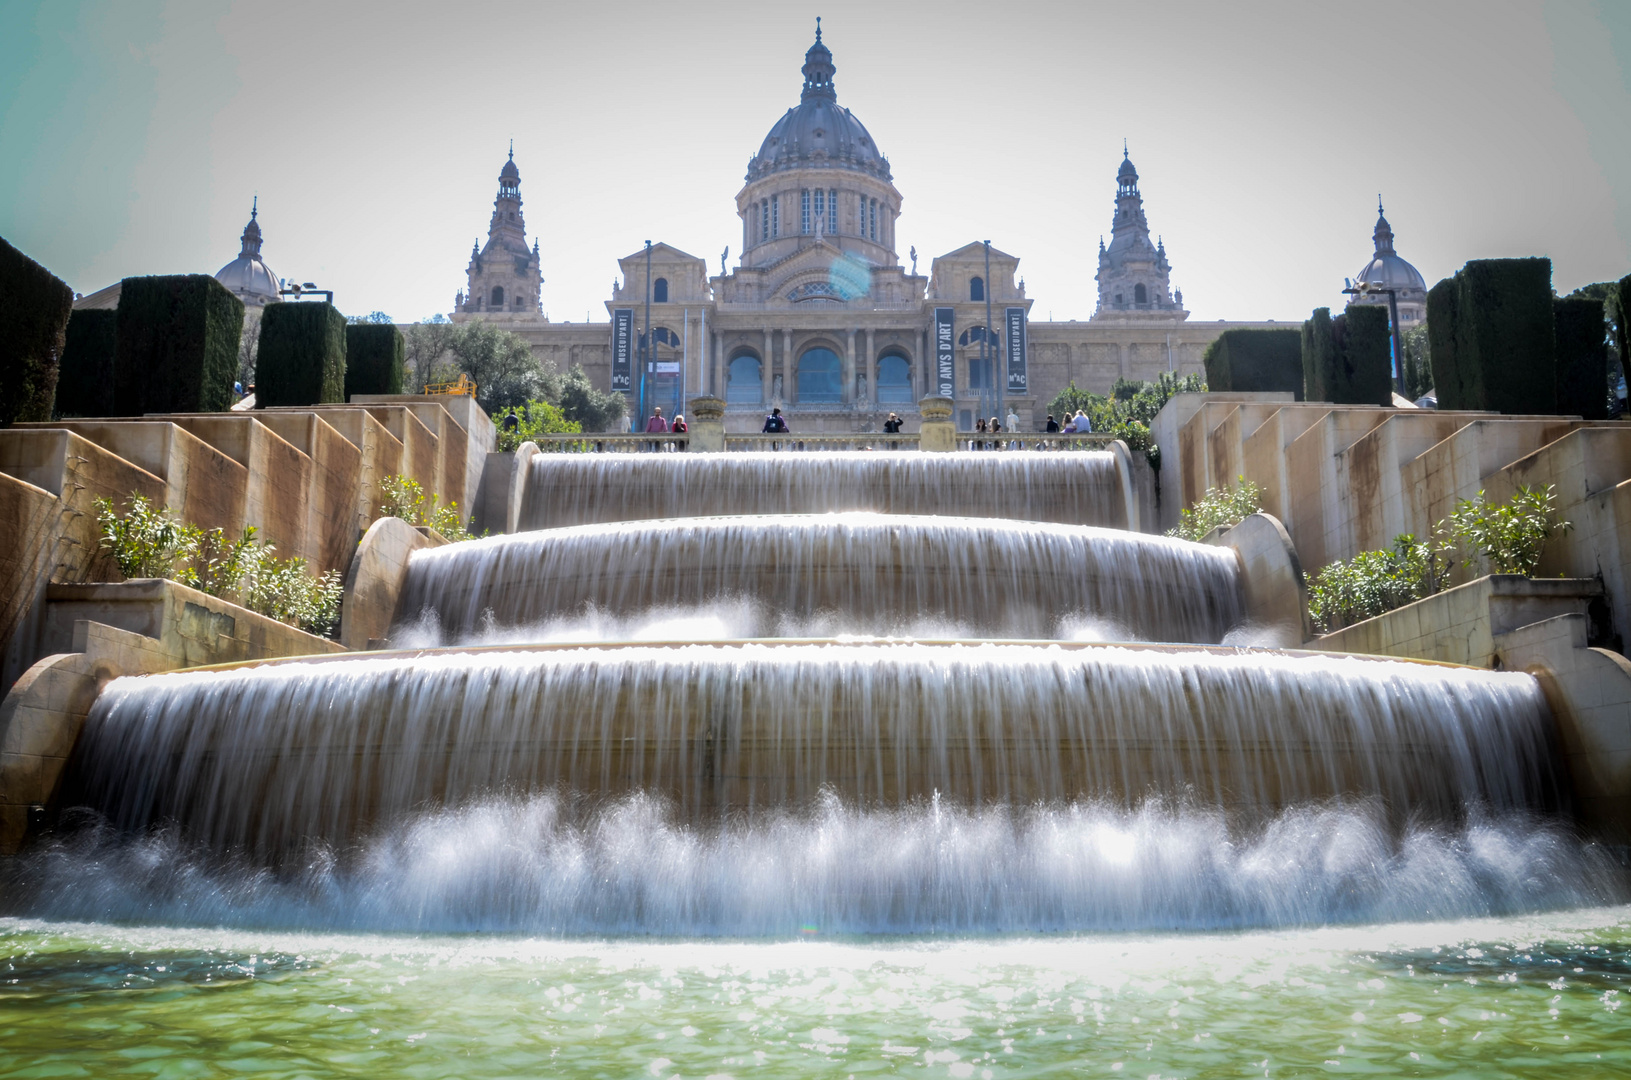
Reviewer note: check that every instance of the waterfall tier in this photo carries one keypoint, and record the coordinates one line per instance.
(820, 575)
(263, 758)
(1083, 488)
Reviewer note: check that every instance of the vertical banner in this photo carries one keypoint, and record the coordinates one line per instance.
(622, 348)
(1017, 383)
(945, 385)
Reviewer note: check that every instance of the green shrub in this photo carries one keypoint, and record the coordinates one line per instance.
(1219, 506)
(1501, 352)
(1443, 313)
(34, 308)
(373, 359)
(1507, 537)
(1348, 360)
(146, 543)
(406, 499)
(85, 377)
(1256, 361)
(177, 348)
(1582, 358)
(533, 419)
(302, 357)
(1373, 582)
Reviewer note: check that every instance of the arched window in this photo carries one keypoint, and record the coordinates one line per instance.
(497, 299)
(1141, 295)
(976, 288)
(894, 379)
(744, 380)
(659, 291)
(820, 377)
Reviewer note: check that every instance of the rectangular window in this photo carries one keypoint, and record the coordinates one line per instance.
(872, 219)
(775, 215)
(832, 211)
(821, 205)
(804, 211)
(764, 220)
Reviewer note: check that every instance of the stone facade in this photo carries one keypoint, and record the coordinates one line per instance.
(821, 317)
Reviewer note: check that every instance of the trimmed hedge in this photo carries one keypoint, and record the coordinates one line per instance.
(34, 309)
(302, 356)
(1256, 361)
(1582, 358)
(177, 348)
(1443, 312)
(1623, 334)
(85, 377)
(374, 354)
(1502, 353)
(1348, 360)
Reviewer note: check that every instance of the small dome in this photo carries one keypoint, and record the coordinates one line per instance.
(250, 280)
(818, 130)
(509, 172)
(248, 277)
(1126, 167)
(1390, 271)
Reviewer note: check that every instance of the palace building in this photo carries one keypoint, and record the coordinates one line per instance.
(821, 317)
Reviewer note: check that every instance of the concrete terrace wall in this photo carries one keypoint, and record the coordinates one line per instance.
(309, 479)
(1346, 479)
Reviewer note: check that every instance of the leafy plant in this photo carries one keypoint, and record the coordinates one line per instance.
(1219, 506)
(154, 543)
(406, 499)
(1374, 582)
(533, 419)
(1510, 536)
(144, 541)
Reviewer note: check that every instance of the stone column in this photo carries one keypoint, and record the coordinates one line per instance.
(718, 387)
(870, 366)
(938, 434)
(707, 424)
(789, 367)
(768, 369)
(849, 365)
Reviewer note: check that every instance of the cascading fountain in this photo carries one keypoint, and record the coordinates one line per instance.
(583, 489)
(956, 748)
(816, 575)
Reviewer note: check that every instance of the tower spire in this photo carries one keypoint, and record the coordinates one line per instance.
(818, 70)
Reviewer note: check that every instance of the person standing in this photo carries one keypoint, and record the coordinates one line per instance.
(892, 427)
(1013, 428)
(656, 425)
(996, 429)
(979, 434)
(1052, 427)
(775, 424)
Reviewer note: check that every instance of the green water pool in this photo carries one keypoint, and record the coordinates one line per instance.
(1531, 996)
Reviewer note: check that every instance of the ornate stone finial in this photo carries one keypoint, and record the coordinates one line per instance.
(818, 27)
(512, 149)
(1378, 204)
(1123, 147)
(254, 206)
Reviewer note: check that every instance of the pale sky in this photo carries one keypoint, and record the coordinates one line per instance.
(135, 133)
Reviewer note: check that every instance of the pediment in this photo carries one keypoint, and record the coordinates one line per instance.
(818, 273)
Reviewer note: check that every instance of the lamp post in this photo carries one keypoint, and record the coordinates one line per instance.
(1365, 288)
(988, 395)
(646, 349)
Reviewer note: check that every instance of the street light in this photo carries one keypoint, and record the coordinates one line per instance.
(1366, 288)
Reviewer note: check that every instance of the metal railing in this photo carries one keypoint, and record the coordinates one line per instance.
(601, 443)
(462, 388)
(803, 442)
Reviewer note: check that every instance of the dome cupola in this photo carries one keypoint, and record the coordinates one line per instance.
(248, 276)
(1386, 269)
(817, 131)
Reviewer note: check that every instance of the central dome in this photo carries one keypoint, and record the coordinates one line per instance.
(818, 131)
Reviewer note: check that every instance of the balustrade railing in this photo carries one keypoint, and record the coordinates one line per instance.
(1033, 440)
(802, 441)
(797, 442)
(605, 443)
